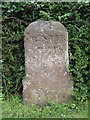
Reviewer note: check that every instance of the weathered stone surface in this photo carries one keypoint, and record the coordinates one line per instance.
(46, 60)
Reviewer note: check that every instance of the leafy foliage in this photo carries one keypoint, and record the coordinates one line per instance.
(17, 16)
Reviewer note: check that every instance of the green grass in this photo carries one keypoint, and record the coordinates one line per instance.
(14, 108)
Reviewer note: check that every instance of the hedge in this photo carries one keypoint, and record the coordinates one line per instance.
(17, 16)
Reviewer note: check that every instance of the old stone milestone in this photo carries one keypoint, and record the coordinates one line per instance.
(46, 61)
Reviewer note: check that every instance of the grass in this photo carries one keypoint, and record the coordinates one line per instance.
(14, 108)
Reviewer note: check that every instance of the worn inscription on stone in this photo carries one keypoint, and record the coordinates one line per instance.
(46, 60)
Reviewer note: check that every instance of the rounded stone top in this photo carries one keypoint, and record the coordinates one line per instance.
(41, 26)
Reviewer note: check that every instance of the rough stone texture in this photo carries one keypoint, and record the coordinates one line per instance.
(46, 60)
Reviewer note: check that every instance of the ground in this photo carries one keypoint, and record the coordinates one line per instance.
(14, 108)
